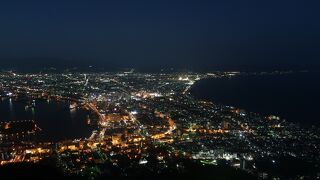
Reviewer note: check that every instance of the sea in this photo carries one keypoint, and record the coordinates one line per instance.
(57, 121)
(294, 97)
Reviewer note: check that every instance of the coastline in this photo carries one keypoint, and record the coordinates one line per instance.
(277, 101)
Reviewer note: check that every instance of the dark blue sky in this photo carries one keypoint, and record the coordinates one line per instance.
(149, 34)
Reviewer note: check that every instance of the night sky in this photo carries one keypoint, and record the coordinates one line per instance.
(150, 34)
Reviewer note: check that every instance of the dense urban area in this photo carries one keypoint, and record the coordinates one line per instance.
(149, 123)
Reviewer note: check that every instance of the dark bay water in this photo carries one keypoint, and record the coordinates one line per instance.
(295, 97)
(55, 119)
